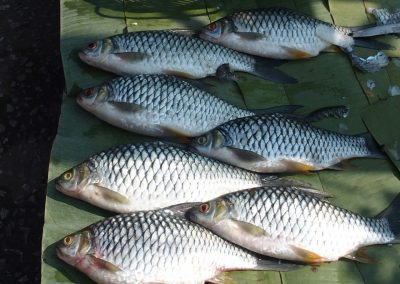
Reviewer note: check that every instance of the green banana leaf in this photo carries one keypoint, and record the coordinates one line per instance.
(329, 79)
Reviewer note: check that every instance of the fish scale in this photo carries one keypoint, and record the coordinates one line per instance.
(276, 130)
(159, 105)
(152, 175)
(186, 50)
(296, 225)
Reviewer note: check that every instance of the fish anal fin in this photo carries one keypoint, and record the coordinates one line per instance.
(307, 256)
(176, 135)
(126, 107)
(361, 256)
(250, 229)
(103, 264)
(111, 196)
(342, 165)
(332, 48)
(245, 155)
(298, 53)
(293, 166)
(132, 56)
(251, 35)
(179, 74)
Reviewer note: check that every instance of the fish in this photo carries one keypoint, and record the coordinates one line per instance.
(173, 53)
(156, 247)
(151, 175)
(276, 143)
(294, 225)
(282, 33)
(161, 106)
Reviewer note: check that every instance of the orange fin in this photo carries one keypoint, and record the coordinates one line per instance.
(307, 256)
(103, 264)
(293, 166)
(361, 256)
(177, 136)
(179, 74)
(298, 53)
(332, 48)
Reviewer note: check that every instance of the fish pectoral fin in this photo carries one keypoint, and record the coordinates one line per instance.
(179, 74)
(110, 195)
(132, 56)
(306, 255)
(126, 107)
(361, 256)
(250, 35)
(293, 166)
(103, 264)
(246, 156)
(249, 229)
(297, 53)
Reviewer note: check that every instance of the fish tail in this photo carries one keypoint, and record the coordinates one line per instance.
(392, 214)
(264, 68)
(276, 265)
(374, 148)
(372, 44)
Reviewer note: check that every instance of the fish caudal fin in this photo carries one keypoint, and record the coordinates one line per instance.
(373, 147)
(372, 44)
(392, 214)
(264, 68)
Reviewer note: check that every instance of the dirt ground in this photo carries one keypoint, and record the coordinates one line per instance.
(31, 85)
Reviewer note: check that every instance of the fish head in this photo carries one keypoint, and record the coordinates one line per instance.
(75, 247)
(91, 98)
(210, 213)
(209, 142)
(75, 180)
(97, 53)
(216, 31)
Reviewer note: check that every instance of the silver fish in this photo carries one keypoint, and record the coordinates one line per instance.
(155, 247)
(151, 175)
(161, 106)
(284, 34)
(167, 52)
(278, 143)
(286, 223)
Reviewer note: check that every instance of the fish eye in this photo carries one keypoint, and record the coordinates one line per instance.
(212, 26)
(201, 140)
(88, 92)
(203, 208)
(68, 240)
(92, 45)
(67, 175)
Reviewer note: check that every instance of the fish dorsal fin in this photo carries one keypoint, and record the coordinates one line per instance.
(103, 264)
(361, 256)
(126, 107)
(111, 196)
(298, 53)
(132, 56)
(245, 155)
(249, 229)
(306, 255)
(251, 35)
